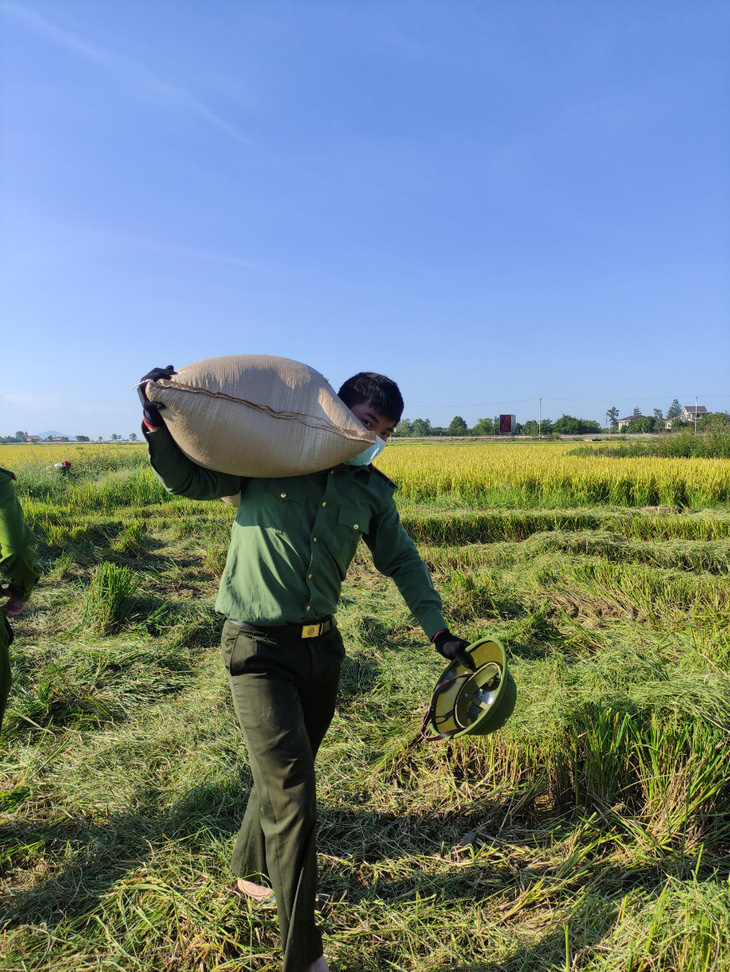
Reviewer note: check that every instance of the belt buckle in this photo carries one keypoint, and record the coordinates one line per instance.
(311, 630)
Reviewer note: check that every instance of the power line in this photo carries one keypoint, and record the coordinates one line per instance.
(514, 401)
(633, 398)
(519, 401)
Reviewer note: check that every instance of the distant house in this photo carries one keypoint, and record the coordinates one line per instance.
(688, 414)
(32, 438)
(624, 423)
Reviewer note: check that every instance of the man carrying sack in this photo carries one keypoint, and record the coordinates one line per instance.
(18, 575)
(291, 545)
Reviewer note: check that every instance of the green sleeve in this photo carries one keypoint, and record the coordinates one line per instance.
(17, 562)
(395, 555)
(181, 475)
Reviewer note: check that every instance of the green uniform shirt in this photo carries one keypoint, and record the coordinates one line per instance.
(294, 538)
(17, 563)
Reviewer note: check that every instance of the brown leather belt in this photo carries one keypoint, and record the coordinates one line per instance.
(313, 630)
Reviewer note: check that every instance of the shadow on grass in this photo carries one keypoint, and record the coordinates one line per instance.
(85, 545)
(91, 859)
(359, 675)
(99, 855)
(486, 897)
(94, 686)
(102, 854)
(547, 954)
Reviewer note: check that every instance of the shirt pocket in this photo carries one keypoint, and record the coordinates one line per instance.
(284, 509)
(351, 524)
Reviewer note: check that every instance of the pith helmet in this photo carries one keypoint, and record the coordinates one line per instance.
(475, 703)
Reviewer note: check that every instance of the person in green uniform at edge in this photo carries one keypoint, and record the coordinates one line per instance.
(291, 544)
(18, 575)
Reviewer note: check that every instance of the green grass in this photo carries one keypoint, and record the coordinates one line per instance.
(590, 834)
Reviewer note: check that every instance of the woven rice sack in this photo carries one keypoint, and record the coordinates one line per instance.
(258, 415)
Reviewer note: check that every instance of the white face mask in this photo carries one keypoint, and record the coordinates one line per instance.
(366, 457)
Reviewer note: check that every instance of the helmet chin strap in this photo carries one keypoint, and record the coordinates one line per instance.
(431, 707)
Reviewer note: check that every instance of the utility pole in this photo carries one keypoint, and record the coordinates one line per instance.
(539, 417)
(695, 415)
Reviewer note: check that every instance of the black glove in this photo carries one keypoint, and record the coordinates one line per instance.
(152, 409)
(453, 648)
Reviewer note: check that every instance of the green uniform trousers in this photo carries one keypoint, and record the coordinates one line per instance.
(284, 693)
(6, 639)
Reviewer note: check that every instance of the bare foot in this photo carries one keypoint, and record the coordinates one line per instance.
(257, 892)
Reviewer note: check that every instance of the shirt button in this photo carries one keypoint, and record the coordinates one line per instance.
(324, 504)
(283, 495)
(355, 526)
(310, 576)
(307, 608)
(314, 539)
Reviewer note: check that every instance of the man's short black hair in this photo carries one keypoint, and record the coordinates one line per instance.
(369, 388)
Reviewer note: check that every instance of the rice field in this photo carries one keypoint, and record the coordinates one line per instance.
(537, 474)
(591, 833)
(41, 455)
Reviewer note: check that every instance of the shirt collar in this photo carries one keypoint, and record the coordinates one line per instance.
(365, 472)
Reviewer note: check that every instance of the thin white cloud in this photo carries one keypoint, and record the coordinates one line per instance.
(34, 401)
(100, 408)
(28, 399)
(192, 253)
(151, 87)
(92, 238)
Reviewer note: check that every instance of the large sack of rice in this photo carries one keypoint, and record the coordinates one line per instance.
(258, 415)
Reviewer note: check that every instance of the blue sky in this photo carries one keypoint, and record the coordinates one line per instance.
(490, 202)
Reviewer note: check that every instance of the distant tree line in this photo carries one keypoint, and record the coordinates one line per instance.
(565, 425)
(657, 422)
(22, 437)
